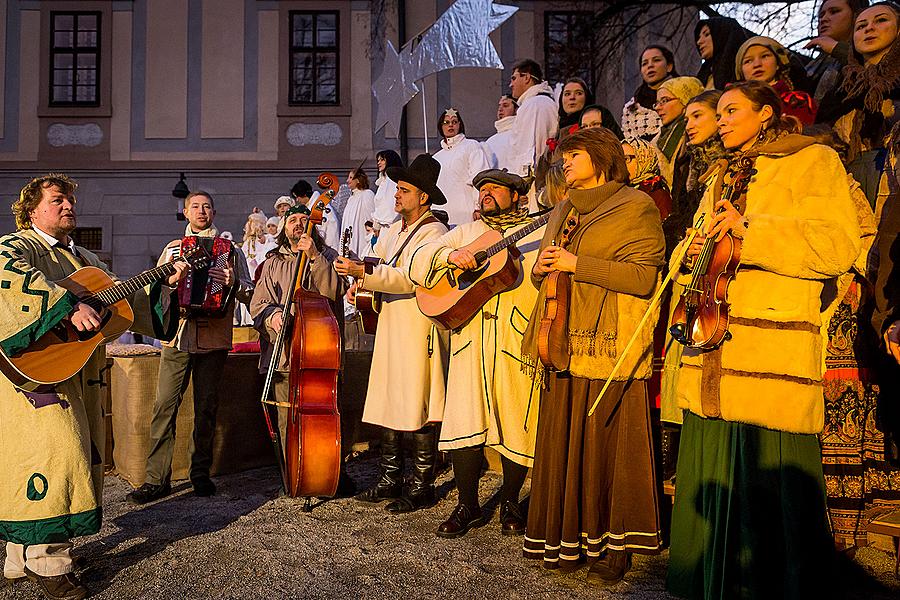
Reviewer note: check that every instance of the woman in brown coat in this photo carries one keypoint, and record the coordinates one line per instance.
(593, 496)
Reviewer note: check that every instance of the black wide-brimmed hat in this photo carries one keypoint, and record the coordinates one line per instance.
(423, 173)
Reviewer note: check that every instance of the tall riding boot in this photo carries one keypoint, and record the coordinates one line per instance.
(671, 435)
(390, 486)
(420, 492)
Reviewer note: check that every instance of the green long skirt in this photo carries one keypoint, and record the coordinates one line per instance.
(750, 519)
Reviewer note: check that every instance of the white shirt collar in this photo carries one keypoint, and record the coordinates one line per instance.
(52, 241)
(451, 142)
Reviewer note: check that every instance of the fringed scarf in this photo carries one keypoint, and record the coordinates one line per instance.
(703, 156)
(870, 86)
(646, 161)
(592, 316)
(669, 137)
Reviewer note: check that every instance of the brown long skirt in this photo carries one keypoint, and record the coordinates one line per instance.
(592, 486)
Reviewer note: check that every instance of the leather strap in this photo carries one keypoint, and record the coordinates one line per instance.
(425, 221)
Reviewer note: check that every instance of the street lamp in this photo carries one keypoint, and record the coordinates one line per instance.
(180, 191)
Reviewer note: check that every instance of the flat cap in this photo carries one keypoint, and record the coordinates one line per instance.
(501, 177)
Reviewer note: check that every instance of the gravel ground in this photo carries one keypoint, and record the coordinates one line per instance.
(245, 542)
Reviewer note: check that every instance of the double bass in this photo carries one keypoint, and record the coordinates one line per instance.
(311, 461)
(701, 317)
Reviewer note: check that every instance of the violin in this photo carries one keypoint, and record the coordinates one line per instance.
(310, 463)
(701, 317)
(553, 334)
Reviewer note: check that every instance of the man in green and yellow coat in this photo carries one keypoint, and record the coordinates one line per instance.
(52, 439)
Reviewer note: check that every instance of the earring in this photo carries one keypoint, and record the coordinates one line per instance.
(762, 134)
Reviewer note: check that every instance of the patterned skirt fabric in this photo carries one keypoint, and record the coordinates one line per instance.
(857, 478)
(593, 488)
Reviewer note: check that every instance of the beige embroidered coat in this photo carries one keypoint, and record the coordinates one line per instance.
(490, 399)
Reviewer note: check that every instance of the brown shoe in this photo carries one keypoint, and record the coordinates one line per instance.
(461, 520)
(59, 587)
(611, 569)
(511, 520)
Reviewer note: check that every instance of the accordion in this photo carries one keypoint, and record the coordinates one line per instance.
(198, 294)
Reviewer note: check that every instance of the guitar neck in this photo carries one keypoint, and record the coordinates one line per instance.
(518, 235)
(129, 286)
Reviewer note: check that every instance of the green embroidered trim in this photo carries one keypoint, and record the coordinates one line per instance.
(54, 530)
(51, 317)
(162, 330)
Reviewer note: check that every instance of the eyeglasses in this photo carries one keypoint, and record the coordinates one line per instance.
(663, 102)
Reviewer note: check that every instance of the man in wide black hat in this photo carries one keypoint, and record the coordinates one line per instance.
(407, 394)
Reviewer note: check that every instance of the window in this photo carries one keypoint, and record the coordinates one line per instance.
(569, 42)
(88, 237)
(75, 59)
(314, 58)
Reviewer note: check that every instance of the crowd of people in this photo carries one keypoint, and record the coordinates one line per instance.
(707, 298)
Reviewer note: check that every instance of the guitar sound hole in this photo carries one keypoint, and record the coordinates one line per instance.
(468, 278)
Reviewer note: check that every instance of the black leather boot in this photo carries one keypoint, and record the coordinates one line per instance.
(390, 486)
(671, 435)
(420, 491)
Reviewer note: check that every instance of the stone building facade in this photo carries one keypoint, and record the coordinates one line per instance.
(243, 96)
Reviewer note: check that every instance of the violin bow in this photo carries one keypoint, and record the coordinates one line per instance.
(656, 298)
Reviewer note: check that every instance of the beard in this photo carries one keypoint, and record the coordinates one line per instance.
(495, 209)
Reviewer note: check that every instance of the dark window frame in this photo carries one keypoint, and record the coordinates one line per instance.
(74, 51)
(551, 65)
(315, 50)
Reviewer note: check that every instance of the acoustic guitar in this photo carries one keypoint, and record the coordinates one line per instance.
(459, 294)
(63, 351)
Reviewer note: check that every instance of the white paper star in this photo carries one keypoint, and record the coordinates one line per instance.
(393, 89)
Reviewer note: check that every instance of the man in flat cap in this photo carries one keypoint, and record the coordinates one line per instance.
(409, 364)
(492, 398)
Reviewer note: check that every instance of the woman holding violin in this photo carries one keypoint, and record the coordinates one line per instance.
(593, 497)
(749, 518)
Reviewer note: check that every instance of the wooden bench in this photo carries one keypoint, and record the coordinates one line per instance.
(889, 524)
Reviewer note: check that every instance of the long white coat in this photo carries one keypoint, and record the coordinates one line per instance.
(499, 147)
(358, 210)
(461, 160)
(537, 120)
(490, 400)
(384, 201)
(407, 378)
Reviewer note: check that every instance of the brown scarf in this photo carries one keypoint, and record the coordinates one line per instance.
(872, 84)
(593, 316)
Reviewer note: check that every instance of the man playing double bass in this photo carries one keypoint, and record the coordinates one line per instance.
(406, 381)
(492, 399)
(277, 276)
